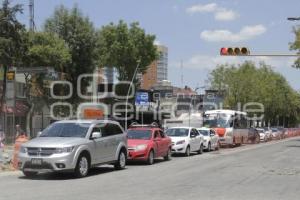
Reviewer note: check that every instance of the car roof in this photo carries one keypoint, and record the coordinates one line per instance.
(185, 127)
(90, 121)
(204, 128)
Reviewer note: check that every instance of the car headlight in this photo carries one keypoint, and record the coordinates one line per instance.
(23, 150)
(64, 150)
(180, 142)
(140, 147)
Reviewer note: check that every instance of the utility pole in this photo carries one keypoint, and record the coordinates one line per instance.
(31, 15)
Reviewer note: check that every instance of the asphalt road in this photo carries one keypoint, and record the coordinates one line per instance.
(266, 171)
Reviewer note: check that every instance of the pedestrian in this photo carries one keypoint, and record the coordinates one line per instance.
(19, 131)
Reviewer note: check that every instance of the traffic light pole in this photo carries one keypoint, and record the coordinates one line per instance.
(269, 55)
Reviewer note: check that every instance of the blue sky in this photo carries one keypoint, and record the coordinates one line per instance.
(194, 30)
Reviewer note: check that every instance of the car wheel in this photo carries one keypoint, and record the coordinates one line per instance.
(121, 162)
(30, 174)
(82, 167)
(188, 151)
(168, 156)
(209, 147)
(200, 149)
(150, 160)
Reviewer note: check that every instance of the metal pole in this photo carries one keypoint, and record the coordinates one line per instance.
(135, 72)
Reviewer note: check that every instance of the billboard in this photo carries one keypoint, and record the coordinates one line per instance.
(142, 99)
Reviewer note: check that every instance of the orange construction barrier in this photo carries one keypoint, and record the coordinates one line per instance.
(19, 141)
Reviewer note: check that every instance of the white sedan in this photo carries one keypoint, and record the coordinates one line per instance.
(185, 140)
(211, 139)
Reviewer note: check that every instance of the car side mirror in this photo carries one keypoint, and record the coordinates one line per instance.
(39, 134)
(193, 135)
(96, 135)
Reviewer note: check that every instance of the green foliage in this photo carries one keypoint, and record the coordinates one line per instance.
(79, 34)
(11, 35)
(247, 83)
(123, 47)
(296, 45)
(46, 49)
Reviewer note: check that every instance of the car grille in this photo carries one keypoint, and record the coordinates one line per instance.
(44, 165)
(41, 151)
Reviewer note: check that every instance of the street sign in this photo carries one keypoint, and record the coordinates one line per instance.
(142, 99)
(10, 76)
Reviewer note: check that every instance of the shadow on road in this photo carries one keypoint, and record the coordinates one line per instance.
(69, 176)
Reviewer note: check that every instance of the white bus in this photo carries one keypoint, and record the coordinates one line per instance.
(232, 126)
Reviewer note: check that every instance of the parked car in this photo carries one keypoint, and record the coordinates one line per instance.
(262, 134)
(253, 136)
(268, 132)
(282, 132)
(275, 133)
(185, 140)
(211, 139)
(76, 146)
(145, 143)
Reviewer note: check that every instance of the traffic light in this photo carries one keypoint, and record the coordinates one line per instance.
(236, 51)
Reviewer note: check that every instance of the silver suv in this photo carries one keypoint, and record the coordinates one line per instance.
(76, 146)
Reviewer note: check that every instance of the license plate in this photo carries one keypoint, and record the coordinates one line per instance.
(36, 161)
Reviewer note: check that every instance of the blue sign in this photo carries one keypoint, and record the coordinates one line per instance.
(142, 99)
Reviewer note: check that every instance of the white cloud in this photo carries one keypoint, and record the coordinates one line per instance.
(225, 15)
(246, 33)
(221, 14)
(211, 7)
(156, 42)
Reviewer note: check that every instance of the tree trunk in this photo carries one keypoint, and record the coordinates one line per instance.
(29, 120)
(3, 87)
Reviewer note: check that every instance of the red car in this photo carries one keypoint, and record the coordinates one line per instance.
(145, 143)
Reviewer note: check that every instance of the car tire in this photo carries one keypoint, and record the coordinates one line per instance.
(187, 151)
(150, 160)
(168, 156)
(30, 174)
(200, 151)
(121, 162)
(82, 166)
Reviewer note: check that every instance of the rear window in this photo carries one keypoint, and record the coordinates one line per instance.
(178, 132)
(139, 134)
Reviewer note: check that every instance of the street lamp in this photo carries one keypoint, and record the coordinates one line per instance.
(131, 83)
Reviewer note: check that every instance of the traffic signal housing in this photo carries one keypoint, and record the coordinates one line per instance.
(234, 51)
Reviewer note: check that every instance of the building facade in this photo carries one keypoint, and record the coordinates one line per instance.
(157, 71)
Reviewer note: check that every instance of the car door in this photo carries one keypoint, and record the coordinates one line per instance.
(165, 142)
(109, 134)
(158, 142)
(99, 151)
(213, 139)
(195, 139)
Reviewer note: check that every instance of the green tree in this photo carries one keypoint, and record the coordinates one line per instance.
(124, 46)
(79, 34)
(11, 40)
(248, 83)
(296, 45)
(43, 50)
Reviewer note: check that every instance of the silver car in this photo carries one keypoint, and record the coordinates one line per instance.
(76, 146)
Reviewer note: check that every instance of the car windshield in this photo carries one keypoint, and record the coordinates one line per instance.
(204, 132)
(178, 132)
(274, 130)
(139, 134)
(217, 120)
(260, 130)
(78, 130)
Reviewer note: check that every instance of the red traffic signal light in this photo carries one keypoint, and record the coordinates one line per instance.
(237, 51)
